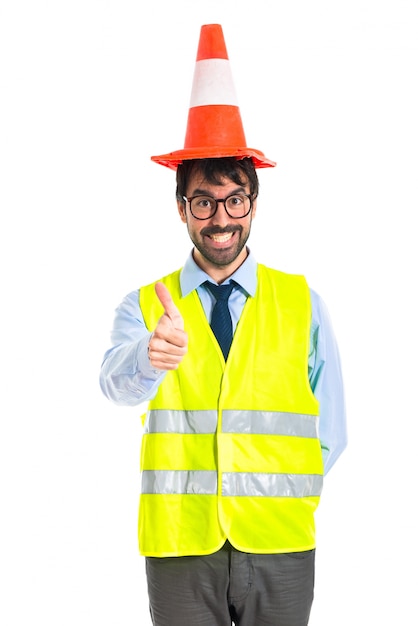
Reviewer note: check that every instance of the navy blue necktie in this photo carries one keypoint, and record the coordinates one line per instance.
(221, 322)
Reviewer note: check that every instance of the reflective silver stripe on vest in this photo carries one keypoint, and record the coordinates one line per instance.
(181, 481)
(244, 422)
(233, 484)
(270, 423)
(279, 485)
(183, 422)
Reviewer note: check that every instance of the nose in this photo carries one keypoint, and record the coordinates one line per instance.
(221, 217)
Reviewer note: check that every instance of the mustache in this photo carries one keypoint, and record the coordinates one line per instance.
(213, 230)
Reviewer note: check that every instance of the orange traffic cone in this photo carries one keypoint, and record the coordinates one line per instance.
(214, 126)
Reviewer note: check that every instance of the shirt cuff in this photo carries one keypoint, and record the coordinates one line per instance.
(143, 363)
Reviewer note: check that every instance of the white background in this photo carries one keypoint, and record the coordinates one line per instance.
(89, 90)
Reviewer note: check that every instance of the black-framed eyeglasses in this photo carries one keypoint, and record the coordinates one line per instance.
(237, 206)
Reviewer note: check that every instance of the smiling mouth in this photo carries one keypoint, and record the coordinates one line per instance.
(221, 237)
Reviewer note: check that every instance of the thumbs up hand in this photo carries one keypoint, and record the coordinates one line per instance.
(168, 342)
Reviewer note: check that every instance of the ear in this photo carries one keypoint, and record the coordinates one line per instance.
(181, 207)
(254, 209)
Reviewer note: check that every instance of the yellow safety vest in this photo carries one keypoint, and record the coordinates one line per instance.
(232, 450)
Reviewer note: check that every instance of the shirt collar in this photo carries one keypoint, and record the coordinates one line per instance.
(192, 276)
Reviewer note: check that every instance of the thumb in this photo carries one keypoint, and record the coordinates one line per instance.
(170, 308)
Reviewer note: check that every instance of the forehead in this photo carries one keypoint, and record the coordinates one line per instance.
(199, 182)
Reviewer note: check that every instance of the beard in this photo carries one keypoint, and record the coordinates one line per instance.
(221, 257)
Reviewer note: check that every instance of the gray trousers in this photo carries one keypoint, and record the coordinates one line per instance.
(231, 587)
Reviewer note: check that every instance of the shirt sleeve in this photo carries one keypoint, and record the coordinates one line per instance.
(325, 376)
(126, 375)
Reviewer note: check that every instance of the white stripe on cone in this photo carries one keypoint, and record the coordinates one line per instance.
(213, 84)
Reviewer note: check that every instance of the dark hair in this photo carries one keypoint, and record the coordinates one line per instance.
(240, 171)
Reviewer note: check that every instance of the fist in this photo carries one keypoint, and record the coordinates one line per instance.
(168, 342)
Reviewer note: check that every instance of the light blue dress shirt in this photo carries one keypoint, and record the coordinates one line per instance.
(127, 377)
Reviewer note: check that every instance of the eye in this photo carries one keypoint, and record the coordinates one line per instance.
(203, 203)
(236, 201)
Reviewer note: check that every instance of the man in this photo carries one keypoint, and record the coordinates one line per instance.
(246, 406)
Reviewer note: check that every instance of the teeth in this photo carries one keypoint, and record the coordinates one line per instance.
(222, 238)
